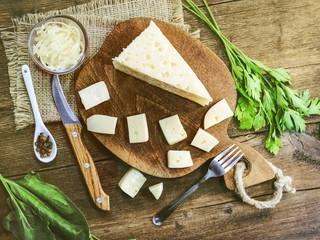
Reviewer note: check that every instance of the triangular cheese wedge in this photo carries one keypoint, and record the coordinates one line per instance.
(152, 58)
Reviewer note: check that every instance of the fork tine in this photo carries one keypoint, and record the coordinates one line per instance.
(233, 163)
(226, 157)
(219, 156)
(225, 164)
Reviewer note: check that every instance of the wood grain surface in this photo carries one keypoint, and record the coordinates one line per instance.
(280, 33)
(130, 96)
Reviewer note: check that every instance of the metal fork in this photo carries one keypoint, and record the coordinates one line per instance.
(218, 166)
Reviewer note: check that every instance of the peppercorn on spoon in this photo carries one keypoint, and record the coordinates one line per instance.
(44, 149)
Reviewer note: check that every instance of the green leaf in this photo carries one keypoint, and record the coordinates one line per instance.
(280, 74)
(253, 86)
(314, 106)
(246, 122)
(299, 122)
(22, 222)
(238, 71)
(273, 143)
(52, 206)
(281, 97)
(287, 121)
(258, 122)
(296, 101)
(278, 118)
(268, 103)
(260, 65)
(24, 225)
(304, 96)
(253, 66)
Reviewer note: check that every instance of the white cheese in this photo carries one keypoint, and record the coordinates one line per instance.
(94, 94)
(204, 140)
(58, 45)
(156, 190)
(173, 129)
(138, 128)
(217, 113)
(102, 124)
(179, 159)
(152, 58)
(131, 182)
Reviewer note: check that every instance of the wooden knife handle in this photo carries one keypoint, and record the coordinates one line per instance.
(88, 169)
(258, 169)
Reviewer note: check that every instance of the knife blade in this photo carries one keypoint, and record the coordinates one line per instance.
(66, 114)
(85, 161)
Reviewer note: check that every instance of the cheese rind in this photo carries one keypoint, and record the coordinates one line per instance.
(173, 129)
(156, 190)
(179, 159)
(131, 182)
(217, 113)
(204, 140)
(152, 58)
(94, 94)
(138, 128)
(102, 124)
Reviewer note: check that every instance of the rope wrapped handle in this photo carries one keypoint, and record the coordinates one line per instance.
(282, 184)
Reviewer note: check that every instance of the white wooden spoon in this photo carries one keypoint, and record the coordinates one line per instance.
(39, 125)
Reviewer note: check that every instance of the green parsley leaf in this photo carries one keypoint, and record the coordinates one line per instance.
(280, 75)
(281, 97)
(314, 106)
(273, 145)
(258, 122)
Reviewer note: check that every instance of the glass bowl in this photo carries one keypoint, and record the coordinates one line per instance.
(57, 19)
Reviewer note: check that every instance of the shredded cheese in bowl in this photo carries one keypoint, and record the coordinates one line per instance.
(58, 45)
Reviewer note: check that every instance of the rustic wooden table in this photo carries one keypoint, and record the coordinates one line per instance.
(282, 33)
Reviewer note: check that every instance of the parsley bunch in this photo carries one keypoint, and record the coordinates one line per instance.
(265, 99)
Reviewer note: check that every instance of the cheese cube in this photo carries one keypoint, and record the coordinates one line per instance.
(94, 94)
(151, 58)
(156, 190)
(138, 128)
(173, 129)
(102, 124)
(217, 113)
(204, 140)
(131, 182)
(179, 159)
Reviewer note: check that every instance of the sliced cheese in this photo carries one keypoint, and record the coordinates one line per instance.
(173, 129)
(94, 94)
(217, 113)
(156, 190)
(131, 182)
(179, 159)
(204, 140)
(152, 58)
(138, 128)
(102, 124)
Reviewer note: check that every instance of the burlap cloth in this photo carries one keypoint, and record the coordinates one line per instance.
(99, 17)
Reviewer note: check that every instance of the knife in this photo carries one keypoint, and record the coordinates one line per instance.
(85, 161)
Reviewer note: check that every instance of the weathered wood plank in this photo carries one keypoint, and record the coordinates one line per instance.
(207, 210)
(228, 221)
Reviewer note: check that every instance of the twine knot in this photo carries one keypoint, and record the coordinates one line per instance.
(282, 184)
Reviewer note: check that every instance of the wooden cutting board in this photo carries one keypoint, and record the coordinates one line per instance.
(130, 96)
